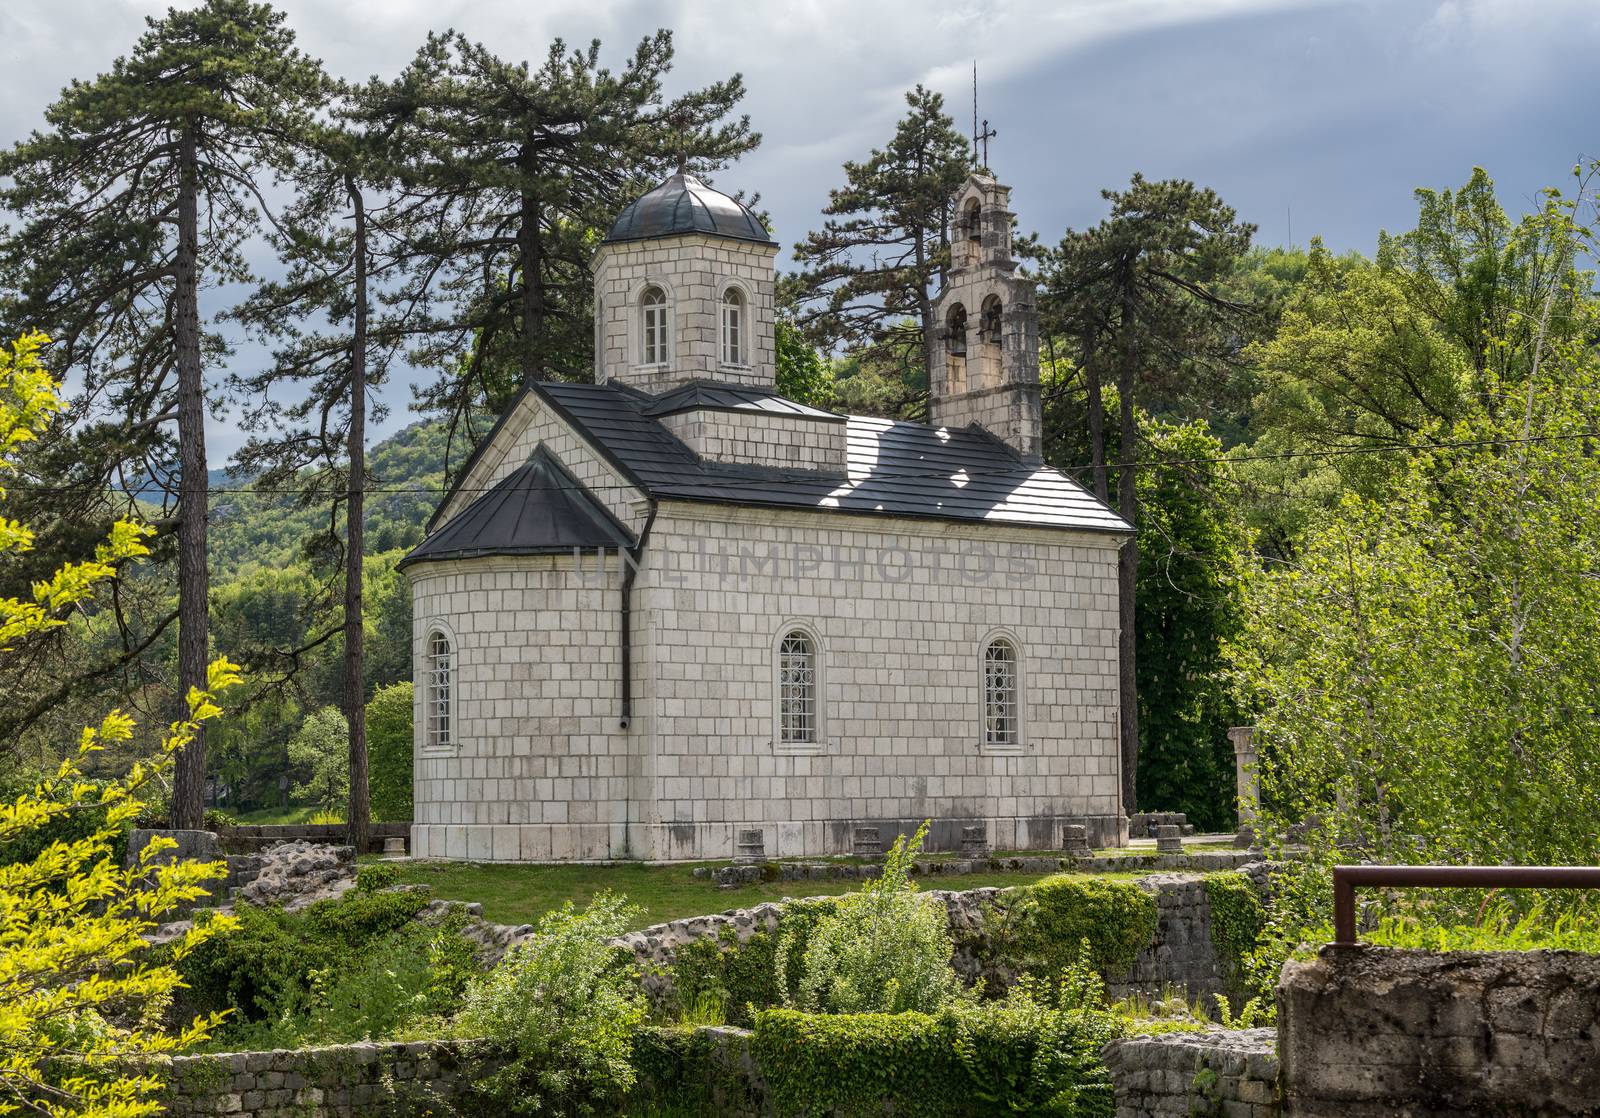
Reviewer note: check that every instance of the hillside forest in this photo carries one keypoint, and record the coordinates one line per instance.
(1363, 483)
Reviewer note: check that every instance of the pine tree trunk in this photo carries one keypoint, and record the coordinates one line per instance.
(1128, 561)
(924, 308)
(359, 815)
(1097, 422)
(188, 783)
(532, 266)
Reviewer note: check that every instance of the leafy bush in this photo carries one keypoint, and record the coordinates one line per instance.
(564, 1007)
(389, 752)
(373, 876)
(884, 949)
(1037, 1052)
(1050, 919)
(357, 968)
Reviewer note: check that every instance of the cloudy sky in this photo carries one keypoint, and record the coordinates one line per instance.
(1310, 117)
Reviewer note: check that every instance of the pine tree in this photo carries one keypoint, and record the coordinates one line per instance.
(513, 173)
(343, 239)
(868, 277)
(144, 188)
(1139, 293)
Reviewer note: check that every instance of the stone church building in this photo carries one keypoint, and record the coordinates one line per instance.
(669, 609)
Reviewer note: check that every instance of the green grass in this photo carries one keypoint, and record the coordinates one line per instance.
(514, 894)
(275, 816)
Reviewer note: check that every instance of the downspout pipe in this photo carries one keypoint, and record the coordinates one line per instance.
(630, 571)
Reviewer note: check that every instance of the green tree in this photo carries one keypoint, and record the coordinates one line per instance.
(389, 733)
(318, 751)
(1421, 667)
(144, 188)
(84, 988)
(868, 277)
(346, 237)
(512, 174)
(1195, 557)
(802, 374)
(1395, 352)
(1141, 294)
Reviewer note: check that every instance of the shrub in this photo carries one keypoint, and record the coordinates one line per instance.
(356, 968)
(1052, 918)
(1038, 1052)
(373, 876)
(884, 949)
(389, 752)
(564, 1007)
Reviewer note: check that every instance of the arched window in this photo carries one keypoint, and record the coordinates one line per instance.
(956, 331)
(1000, 721)
(972, 220)
(733, 345)
(653, 327)
(439, 692)
(991, 323)
(797, 689)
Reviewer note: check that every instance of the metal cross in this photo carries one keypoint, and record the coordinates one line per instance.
(986, 135)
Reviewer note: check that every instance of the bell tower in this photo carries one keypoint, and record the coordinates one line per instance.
(986, 351)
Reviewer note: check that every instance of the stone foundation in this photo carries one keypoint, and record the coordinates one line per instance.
(1368, 1032)
(1232, 1073)
(344, 1081)
(1207, 861)
(689, 842)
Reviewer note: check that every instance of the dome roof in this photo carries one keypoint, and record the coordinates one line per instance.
(684, 204)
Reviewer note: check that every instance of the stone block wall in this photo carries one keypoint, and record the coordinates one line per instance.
(692, 271)
(538, 767)
(1227, 1073)
(900, 613)
(343, 1081)
(1366, 1032)
(760, 438)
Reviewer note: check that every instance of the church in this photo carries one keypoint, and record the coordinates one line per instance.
(673, 615)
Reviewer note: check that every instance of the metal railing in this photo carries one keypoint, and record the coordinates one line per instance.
(1346, 879)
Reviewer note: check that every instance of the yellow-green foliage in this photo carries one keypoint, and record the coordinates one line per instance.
(80, 991)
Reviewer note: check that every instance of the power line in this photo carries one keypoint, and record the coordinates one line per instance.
(958, 474)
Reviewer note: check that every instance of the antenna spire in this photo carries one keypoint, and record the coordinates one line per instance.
(974, 112)
(984, 135)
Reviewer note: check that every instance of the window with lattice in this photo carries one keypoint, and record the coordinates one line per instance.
(797, 689)
(1000, 726)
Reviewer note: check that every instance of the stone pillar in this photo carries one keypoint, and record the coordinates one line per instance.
(1249, 785)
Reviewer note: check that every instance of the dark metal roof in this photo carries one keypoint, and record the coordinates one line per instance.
(684, 204)
(538, 509)
(710, 395)
(894, 469)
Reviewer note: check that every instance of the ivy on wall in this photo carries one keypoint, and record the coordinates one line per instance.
(1238, 917)
(1050, 920)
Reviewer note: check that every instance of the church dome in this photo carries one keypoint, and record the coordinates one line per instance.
(684, 204)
